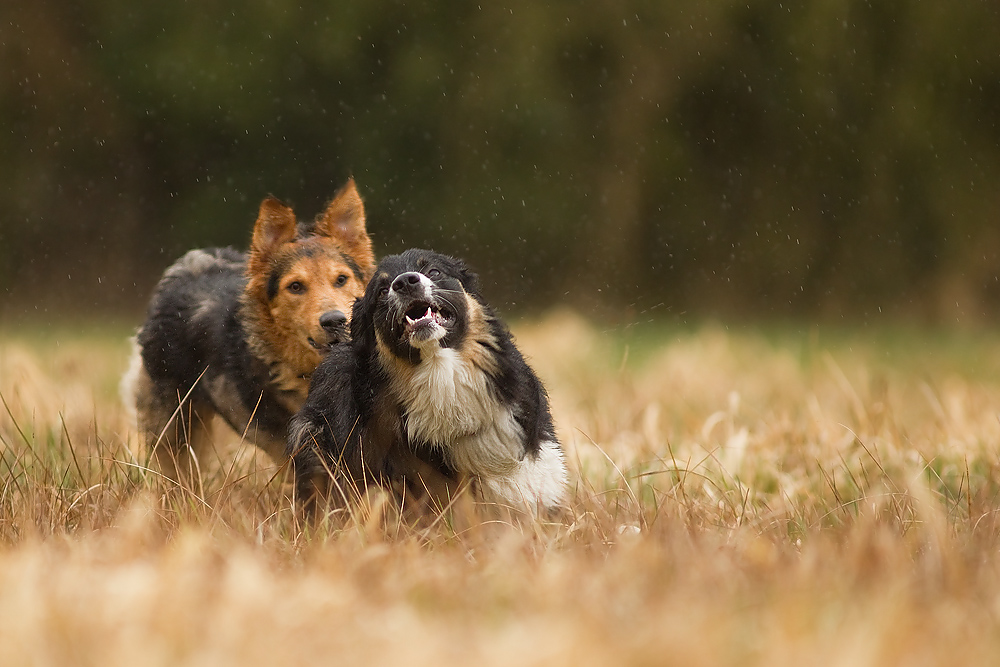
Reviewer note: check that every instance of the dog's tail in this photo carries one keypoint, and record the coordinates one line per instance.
(129, 385)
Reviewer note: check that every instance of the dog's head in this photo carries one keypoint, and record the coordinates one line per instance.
(419, 301)
(303, 279)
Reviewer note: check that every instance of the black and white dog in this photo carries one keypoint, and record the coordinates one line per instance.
(431, 385)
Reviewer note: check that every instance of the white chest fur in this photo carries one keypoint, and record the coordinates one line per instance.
(450, 405)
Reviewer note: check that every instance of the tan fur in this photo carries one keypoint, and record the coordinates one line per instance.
(479, 336)
(280, 328)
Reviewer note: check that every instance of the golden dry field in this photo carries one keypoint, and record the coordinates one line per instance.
(740, 496)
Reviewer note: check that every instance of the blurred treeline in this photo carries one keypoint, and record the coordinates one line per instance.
(830, 159)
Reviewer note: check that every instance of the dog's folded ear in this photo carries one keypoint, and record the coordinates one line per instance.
(344, 220)
(468, 277)
(275, 226)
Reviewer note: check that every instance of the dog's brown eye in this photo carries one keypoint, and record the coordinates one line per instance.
(433, 273)
(382, 291)
(296, 287)
(341, 280)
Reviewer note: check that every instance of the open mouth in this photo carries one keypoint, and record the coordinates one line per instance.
(324, 347)
(421, 314)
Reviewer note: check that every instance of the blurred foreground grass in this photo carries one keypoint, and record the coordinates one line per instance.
(739, 497)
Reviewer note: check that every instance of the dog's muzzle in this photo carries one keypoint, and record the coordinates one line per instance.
(334, 325)
(412, 285)
(423, 318)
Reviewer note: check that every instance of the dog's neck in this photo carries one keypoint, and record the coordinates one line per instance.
(289, 382)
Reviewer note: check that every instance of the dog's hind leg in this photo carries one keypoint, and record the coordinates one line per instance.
(175, 428)
(185, 443)
(179, 441)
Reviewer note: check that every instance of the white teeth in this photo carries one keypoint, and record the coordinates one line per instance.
(429, 314)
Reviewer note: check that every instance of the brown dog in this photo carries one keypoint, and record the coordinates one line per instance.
(239, 335)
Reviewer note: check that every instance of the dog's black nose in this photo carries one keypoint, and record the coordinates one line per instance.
(333, 321)
(405, 281)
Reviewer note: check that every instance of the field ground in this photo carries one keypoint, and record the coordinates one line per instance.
(740, 497)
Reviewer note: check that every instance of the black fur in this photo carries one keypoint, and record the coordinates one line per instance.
(194, 339)
(355, 422)
(335, 436)
(225, 335)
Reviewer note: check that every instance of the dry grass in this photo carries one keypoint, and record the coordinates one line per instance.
(738, 499)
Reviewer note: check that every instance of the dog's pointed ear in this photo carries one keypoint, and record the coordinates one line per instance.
(344, 221)
(275, 225)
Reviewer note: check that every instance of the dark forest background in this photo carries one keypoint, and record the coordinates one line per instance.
(829, 160)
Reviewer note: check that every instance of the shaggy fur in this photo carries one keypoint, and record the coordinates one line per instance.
(432, 392)
(239, 335)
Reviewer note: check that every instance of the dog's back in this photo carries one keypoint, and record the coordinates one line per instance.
(191, 317)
